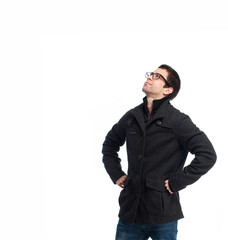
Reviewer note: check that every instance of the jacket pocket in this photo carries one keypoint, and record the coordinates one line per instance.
(131, 131)
(171, 203)
(154, 197)
(123, 198)
(159, 202)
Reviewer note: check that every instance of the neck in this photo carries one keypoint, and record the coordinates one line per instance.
(150, 104)
(150, 100)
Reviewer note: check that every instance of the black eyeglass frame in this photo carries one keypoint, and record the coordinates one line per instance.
(159, 76)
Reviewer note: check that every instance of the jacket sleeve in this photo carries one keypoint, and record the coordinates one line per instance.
(111, 146)
(196, 142)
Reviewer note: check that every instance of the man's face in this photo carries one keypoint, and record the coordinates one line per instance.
(155, 88)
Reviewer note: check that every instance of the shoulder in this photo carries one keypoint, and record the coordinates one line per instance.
(175, 112)
(175, 115)
(182, 124)
(129, 115)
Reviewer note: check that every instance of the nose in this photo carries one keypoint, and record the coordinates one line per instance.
(149, 78)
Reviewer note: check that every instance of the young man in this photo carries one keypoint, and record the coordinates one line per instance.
(158, 139)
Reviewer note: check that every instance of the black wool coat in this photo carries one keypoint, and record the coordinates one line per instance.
(157, 150)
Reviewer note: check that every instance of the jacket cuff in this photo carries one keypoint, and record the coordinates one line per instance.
(117, 176)
(174, 185)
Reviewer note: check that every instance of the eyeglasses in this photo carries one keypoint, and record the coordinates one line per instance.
(157, 76)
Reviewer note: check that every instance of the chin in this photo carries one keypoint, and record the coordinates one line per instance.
(145, 90)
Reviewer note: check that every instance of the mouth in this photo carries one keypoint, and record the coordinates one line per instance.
(148, 83)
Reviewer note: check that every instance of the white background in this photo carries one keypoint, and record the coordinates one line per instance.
(69, 70)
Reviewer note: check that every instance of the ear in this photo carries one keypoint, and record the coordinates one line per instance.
(167, 91)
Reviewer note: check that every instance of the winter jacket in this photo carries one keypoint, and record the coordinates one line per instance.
(157, 149)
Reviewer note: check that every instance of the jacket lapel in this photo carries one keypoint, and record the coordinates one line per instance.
(139, 115)
(161, 113)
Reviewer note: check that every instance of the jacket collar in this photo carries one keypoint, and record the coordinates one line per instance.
(138, 112)
(156, 104)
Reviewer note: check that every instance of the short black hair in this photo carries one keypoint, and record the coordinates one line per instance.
(173, 79)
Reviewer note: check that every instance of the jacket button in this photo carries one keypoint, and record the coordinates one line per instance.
(159, 122)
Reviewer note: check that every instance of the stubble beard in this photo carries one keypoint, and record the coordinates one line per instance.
(145, 90)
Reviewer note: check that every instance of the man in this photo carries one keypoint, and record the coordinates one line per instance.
(158, 139)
